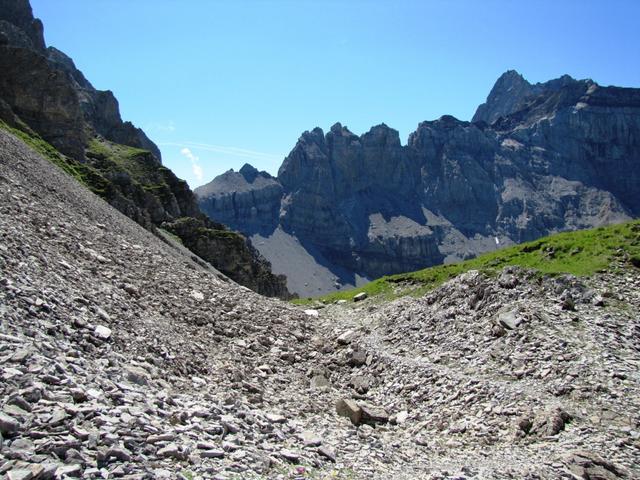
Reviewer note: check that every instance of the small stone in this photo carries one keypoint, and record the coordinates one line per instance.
(360, 296)
(328, 453)
(137, 375)
(510, 320)
(20, 474)
(350, 409)
(58, 417)
(196, 295)
(346, 337)
(68, 470)
(103, 315)
(402, 417)
(212, 453)
(358, 358)
(21, 355)
(310, 439)
(290, 456)
(312, 313)
(588, 465)
(275, 418)
(361, 383)
(372, 415)
(164, 437)
(8, 424)
(102, 332)
(171, 451)
(118, 453)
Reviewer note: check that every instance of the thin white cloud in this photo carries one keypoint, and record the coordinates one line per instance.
(197, 171)
(196, 168)
(231, 151)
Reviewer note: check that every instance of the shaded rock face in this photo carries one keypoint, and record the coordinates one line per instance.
(42, 93)
(19, 26)
(537, 159)
(231, 252)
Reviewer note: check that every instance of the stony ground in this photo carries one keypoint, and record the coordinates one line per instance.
(123, 357)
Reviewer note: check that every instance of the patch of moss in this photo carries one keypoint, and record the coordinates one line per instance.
(581, 253)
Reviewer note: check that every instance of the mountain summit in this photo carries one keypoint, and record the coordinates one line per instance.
(536, 159)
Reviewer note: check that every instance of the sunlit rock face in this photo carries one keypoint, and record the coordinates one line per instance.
(536, 159)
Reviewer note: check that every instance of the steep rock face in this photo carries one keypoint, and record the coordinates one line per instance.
(537, 159)
(43, 96)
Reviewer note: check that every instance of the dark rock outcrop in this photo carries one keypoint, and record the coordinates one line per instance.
(537, 159)
(43, 96)
(231, 252)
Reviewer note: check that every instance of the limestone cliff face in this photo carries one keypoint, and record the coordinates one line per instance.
(43, 94)
(537, 159)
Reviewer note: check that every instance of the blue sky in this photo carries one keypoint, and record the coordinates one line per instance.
(217, 84)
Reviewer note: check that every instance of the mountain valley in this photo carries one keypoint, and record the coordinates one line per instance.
(123, 357)
(148, 331)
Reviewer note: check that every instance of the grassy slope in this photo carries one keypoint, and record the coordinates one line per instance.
(580, 253)
(107, 158)
(83, 173)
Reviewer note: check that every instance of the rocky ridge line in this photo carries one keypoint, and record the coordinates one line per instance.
(537, 159)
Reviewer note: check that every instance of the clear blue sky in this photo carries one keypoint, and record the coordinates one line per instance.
(219, 83)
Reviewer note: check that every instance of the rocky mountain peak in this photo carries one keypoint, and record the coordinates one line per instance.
(336, 128)
(506, 95)
(249, 172)
(19, 26)
(382, 135)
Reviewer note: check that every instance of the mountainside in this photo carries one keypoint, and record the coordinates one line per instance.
(45, 100)
(122, 357)
(536, 159)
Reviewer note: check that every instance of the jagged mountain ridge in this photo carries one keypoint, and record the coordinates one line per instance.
(44, 96)
(537, 159)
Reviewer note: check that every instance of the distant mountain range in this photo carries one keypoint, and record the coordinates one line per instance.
(535, 159)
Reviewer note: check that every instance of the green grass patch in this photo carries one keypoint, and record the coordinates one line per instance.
(83, 173)
(580, 253)
(138, 163)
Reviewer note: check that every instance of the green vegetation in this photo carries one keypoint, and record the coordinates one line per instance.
(83, 173)
(114, 157)
(580, 253)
